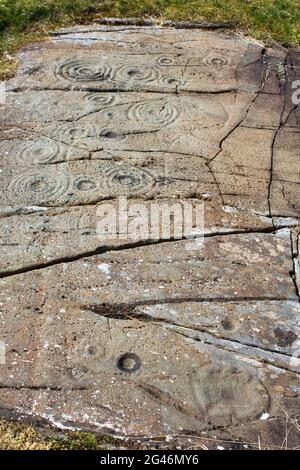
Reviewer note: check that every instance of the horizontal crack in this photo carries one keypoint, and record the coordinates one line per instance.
(41, 387)
(242, 353)
(168, 152)
(113, 310)
(128, 311)
(126, 246)
(230, 340)
(90, 89)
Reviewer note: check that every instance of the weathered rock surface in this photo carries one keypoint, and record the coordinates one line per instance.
(98, 326)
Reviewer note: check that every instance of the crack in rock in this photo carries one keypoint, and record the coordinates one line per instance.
(94, 332)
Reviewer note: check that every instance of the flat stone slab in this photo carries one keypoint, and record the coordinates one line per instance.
(37, 235)
(100, 323)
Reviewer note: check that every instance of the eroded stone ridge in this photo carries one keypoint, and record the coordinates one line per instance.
(98, 330)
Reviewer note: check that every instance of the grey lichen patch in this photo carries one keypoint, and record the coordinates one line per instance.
(284, 337)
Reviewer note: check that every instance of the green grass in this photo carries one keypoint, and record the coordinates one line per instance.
(24, 20)
(21, 436)
(266, 19)
(279, 19)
